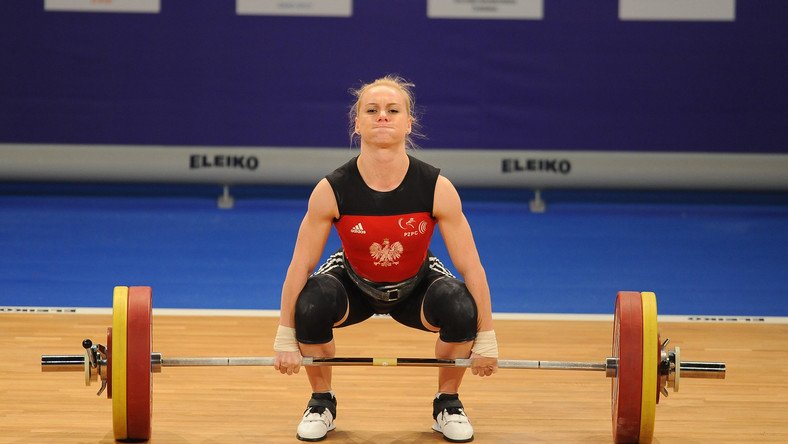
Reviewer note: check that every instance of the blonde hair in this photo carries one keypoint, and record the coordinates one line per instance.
(396, 82)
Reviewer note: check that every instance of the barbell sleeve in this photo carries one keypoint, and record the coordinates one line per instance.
(62, 363)
(705, 370)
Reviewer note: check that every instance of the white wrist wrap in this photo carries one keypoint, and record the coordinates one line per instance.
(486, 344)
(285, 340)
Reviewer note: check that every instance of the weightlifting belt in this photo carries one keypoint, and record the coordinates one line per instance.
(388, 292)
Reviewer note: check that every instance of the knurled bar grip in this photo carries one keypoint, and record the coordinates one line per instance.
(392, 362)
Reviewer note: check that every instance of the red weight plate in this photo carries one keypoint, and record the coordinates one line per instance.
(138, 367)
(627, 385)
(109, 362)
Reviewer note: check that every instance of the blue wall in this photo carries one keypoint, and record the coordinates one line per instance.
(580, 79)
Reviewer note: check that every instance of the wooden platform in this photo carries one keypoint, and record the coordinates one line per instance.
(388, 405)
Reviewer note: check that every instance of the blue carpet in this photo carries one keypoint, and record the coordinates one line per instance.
(711, 255)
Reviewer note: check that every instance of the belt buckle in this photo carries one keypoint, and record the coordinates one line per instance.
(392, 295)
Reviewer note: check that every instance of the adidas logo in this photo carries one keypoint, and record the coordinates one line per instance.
(358, 229)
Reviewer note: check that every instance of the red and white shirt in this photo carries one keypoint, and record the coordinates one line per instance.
(385, 234)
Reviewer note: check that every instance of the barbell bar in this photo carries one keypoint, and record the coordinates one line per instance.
(70, 363)
(641, 366)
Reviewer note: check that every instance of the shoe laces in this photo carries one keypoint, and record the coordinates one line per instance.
(454, 411)
(317, 414)
(454, 414)
(315, 409)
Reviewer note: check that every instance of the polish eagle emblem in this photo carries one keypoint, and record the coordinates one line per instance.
(387, 254)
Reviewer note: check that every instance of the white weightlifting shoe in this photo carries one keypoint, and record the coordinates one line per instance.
(318, 417)
(450, 419)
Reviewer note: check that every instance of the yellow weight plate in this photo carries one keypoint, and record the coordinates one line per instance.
(648, 399)
(120, 300)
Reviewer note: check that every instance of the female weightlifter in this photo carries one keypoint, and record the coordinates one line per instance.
(384, 205)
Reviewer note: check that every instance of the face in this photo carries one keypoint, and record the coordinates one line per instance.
(383, 118)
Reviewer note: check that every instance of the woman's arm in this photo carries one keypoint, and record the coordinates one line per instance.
(310, 242)
(456, 232)
(459, 241)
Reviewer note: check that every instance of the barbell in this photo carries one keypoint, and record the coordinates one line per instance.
(641, 366)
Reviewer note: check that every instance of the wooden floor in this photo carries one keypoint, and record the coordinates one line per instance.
(388, 405)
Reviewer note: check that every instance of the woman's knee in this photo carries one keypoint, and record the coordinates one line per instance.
(321, 303)
(449, 306)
